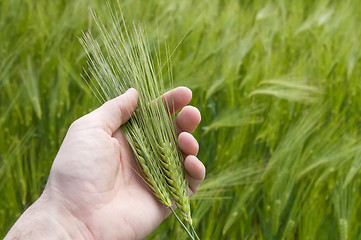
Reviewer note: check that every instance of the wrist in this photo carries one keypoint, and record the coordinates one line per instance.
(48, 219)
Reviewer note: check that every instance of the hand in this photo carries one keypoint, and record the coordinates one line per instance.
(93, 191)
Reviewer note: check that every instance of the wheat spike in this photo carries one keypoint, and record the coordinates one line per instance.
(150, 171)
(177, 184)
(121, 61)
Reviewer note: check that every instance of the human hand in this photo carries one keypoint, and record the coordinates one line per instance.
(93, 190)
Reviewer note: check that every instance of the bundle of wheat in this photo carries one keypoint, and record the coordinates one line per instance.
(123, 60)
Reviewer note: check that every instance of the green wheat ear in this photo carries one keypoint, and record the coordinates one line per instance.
(120, 60)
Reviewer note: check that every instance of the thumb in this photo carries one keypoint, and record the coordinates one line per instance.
(117, 111)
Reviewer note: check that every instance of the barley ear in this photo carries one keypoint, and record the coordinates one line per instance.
(149, 169)
(124, 60)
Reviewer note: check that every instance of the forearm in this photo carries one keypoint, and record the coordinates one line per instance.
(43, 220)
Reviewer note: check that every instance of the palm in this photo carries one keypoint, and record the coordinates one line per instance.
(108, 194)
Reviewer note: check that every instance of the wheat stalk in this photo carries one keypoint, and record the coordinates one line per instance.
(123, 60)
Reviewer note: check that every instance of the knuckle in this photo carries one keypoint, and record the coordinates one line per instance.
(75, 124)
(79, 123)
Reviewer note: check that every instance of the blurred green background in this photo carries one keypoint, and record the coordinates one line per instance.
(277, 83)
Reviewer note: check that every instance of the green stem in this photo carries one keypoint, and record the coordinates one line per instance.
(185, 228)
(194, 233)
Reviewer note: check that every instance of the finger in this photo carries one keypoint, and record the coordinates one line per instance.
(187, 119)
(188, 144)
(112, 114)
(177, 98)
(196, 172)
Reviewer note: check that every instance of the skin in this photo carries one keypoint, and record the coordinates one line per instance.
(93, 191)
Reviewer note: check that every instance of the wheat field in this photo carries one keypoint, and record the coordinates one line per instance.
(278, 84)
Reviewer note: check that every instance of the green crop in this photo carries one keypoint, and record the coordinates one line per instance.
(277, 84)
